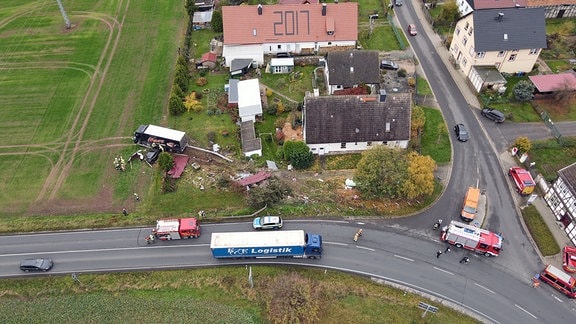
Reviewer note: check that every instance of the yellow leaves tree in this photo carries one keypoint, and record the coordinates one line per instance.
(191, 103)
(420, 180)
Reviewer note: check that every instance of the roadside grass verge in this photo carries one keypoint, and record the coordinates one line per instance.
(540, 231)
(551, 156)
(216, 295)
(435, 140)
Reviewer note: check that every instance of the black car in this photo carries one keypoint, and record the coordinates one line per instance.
(388, 65)
(28, 265)
(461, 132)
(493, 114)
(152, 156)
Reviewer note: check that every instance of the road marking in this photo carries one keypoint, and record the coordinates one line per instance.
(360, 223)
(484, 288)
(404, 258)
(558, 299)
(525, 311)
(365, 248)
(336, 243)
(448, 272)
(104, 250)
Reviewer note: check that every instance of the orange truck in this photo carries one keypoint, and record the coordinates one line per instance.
(523, 180)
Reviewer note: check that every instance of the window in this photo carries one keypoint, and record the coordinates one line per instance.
(455, 49)
(471, 51)
(343, 145)
(465, 40)
(501, 53)
(457, 31)
(464, 61)
(329, 43)
(480, 54)
(467, 25)
(279, 46)
(470, 31)
(368, 143)
(512, 57)
(515, 50)
(533, 51)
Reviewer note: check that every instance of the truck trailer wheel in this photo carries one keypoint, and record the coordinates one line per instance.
(458, 245)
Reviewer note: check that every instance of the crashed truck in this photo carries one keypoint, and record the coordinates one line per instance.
(176, 229)
(168, 140)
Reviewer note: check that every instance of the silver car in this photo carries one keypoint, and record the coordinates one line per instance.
(267, 222)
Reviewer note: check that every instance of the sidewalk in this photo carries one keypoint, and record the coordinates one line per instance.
(506, 159)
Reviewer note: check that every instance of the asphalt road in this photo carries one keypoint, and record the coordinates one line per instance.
(381, 253)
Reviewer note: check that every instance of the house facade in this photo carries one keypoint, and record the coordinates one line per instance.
(351, 68)
(250, 32)
(510, 40)
(346, 124)
(561, 198)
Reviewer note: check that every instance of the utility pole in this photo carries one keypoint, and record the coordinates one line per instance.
(66, 20)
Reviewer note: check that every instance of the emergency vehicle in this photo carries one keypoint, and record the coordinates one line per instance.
(523, 180)
(472, 238)
(175, 229)
(560, 280)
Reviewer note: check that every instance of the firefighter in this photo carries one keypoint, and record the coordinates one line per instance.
(357, 235)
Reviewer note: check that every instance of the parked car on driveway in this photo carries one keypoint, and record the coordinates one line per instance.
(461, 132)
(40, 264)
(267, 222)
(388, 65)
(493, 114)
(412, 30)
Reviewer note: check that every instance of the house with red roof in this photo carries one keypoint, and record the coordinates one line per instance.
(555, 8)
(250, 32)
(549, 83)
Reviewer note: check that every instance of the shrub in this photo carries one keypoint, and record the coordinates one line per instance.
(202, 81)
(402, 73)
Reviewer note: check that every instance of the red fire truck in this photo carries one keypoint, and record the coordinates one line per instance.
(472, 238)
(523, 180)
(175, 229)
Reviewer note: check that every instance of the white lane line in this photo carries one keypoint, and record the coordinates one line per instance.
(484, 288)
(336, 243)
(558, 299)
(360, 223)
(404, 258)
(106, 250)
(448, 272)
(365, 248)
(525, 311)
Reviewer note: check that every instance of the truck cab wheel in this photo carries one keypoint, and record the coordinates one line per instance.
(458, 245)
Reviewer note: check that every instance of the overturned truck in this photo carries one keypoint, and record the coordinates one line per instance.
(166, 139)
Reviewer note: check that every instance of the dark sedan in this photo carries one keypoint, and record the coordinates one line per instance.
(461, 132)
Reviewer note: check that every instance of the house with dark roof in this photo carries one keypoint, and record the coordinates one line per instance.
(345, 124)
(555, 8)
(250, 32)
(508, 40)
(203, 15)
(349, 69)
(561, 198)
(251, 145)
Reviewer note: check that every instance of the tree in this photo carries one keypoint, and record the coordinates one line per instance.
(190, 6)
(381, 172)
(417, 122)
(268, 193)
(420, 180)
(181, 81)
(177, 91)
(175, 105)
(523, 144)
(298, 153)
(166, 161)
(449, 14)
(524, 91)
(216, 22)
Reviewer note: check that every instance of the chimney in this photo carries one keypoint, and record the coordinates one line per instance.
(382, 95)
(500, 16)
(260, 10)
(323, 9)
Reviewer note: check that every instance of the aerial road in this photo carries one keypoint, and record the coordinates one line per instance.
(393, 256)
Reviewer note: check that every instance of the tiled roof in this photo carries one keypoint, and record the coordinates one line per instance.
(554, 82)
(508, 29)
(208, 57)
(253, 179)
(348, 68)
(496, 4)
(292, 2)
(289, 23)
(568, 174)
(339, 119)
(534, 3)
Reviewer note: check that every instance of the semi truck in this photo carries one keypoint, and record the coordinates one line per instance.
(176, 229)
(472, 238)
(523, 180)
(167, 139)
(291, 244)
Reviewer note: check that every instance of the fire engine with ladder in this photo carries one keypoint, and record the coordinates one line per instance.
(176, 229)
(472, 238)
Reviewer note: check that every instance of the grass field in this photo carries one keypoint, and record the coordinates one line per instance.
(72, 97)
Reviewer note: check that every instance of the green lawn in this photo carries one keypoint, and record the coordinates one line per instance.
(435, 138)
(70, 95)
